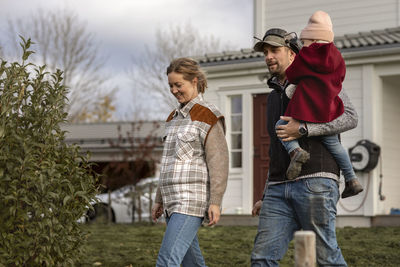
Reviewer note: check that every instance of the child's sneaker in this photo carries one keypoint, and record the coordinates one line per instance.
(352, 188)
(297, 158)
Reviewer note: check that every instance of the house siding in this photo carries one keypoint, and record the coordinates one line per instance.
(347, 16)
(391, 144)
(352, 86)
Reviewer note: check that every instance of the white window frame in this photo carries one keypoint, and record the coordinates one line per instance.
(230, 132)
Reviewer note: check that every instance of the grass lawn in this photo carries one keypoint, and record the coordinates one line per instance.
(137, 245)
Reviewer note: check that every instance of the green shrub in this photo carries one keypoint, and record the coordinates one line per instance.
(45, 186)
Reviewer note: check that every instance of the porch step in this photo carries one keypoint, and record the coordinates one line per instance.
(385, 220)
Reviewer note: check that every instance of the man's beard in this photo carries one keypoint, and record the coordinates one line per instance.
(277, 74)
(275, 69)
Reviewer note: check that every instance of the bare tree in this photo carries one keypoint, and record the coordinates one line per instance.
(137, 106)
(101, 112)
(64, 42)
(176, 41)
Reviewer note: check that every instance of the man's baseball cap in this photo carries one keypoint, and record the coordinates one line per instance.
(274, 37)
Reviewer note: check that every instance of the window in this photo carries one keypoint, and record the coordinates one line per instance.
(236, 131)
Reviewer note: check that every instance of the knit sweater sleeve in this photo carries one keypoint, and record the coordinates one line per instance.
(217, 158)
(347, 121)
(290, 90)
(158, 198)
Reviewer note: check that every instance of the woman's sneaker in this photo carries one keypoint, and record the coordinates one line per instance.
(352, 188)
(297, 158)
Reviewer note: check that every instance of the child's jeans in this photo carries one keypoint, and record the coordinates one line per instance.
(332, 144)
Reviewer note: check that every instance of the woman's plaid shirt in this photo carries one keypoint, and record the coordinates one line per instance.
(184, 178)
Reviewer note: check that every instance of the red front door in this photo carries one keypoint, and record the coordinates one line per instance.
(261, 145)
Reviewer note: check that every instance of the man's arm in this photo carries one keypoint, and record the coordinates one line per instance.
(347, 121)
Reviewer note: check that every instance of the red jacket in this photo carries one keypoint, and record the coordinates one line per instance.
(318, 70)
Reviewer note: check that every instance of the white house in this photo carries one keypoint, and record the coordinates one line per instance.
(368, 35)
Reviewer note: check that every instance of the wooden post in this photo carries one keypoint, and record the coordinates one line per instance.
(305, 252)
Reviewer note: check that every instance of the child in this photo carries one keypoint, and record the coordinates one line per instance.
(318, 70)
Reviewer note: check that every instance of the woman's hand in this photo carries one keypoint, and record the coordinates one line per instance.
(214, 214)
(256, 208)
(156, 211)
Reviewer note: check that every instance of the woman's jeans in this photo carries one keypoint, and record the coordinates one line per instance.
(332, 144)
(305, 204)
(180, 244)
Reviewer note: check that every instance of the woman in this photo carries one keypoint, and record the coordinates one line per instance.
(194, 166)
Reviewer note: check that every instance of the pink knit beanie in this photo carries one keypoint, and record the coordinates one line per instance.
(319, 27)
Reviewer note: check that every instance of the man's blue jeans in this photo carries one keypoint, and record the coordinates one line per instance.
(180, 244)
(307, 204)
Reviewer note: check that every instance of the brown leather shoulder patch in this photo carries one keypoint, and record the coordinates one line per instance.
(171, 116)
(203, 114)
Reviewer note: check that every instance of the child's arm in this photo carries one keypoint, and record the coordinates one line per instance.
(290, 90)
(348, 120)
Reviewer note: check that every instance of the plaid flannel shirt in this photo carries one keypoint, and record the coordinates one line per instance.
(184, 179)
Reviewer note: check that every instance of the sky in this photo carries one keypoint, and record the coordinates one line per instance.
(124, 27)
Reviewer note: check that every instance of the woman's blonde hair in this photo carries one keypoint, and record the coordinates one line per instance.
(190, 69)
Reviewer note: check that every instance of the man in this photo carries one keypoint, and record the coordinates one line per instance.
(308, 202)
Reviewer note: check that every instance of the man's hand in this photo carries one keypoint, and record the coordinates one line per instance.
(256, 208)
(289, 131)
(156, 211)
(214, 214)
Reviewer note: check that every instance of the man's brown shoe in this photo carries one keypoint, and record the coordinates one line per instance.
(298, 158)
(352, 188)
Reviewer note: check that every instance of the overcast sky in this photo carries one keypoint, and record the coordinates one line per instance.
(124, 27)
